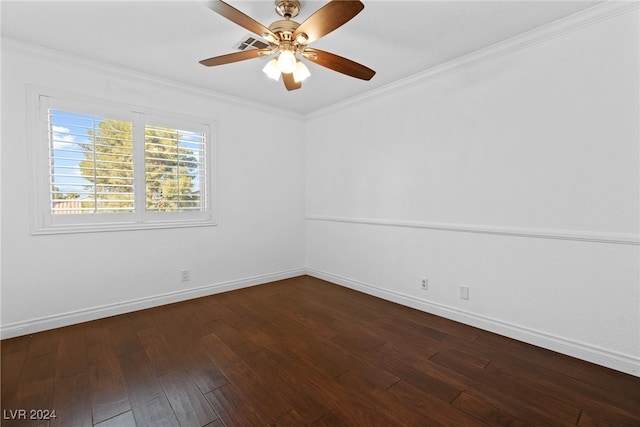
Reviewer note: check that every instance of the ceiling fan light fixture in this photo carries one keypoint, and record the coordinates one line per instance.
(270, 38)
(287, 61)
(301, 72)
(302, 38)
(272, 69)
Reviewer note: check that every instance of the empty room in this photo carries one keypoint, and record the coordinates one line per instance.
(320, 213)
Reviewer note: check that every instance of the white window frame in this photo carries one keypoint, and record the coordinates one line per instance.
(43, 221)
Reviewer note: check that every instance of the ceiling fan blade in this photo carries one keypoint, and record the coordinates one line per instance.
(235, 57)
(339, 64)
(329, 17)
(234, 15)
(289, 82)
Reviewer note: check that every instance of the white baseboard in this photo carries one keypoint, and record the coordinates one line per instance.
(621, 362)
(84, 315)
(610, 359)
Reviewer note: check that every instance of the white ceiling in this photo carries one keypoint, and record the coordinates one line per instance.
(168, 38)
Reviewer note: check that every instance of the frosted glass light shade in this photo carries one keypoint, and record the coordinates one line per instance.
(287, 61)
(301, 72)
(272, 69)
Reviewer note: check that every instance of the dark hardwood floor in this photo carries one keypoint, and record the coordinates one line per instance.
(300, 352)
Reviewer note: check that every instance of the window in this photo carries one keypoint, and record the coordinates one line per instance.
(90, 163)
(106, 168)
(174, 166)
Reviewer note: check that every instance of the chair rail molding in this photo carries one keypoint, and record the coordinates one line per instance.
(539, 233)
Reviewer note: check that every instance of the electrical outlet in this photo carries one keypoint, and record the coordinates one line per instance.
(464, 292)
(425, 284)
(185, 275)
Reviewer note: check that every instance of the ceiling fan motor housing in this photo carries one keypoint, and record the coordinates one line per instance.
(287, 8)
(284, 29)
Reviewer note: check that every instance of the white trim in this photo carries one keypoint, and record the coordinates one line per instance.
(614, 360)
(38, 102)
(577, 21)
(20, 47)
(621, 362)
(585, 18)
(539, 233)
(30, 326)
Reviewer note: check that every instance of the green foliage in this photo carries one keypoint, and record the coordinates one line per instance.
(59, 195)
(170, 169)
(108, 165)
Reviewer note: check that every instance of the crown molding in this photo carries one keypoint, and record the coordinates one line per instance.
(64, 58)
(558, 28)
(577, 21)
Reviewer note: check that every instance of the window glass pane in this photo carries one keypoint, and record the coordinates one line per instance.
(91, 161)
(174, 169)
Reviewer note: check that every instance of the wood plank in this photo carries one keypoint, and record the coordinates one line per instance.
(141, 320)
(430, 409)
(202, 369)
(70, 361)
(109, 396)
(71, 401)
(264, 403)
(13, 345)
(458, 361)
(190, 406)
(611, 420)
(486, 412)
(43, 343)
(351, 408)
(549, 382)
(11, 366)
(122, 420)
(233, 408)
(162, 355)
(150, 405)
(278, 379)
(524, 403)
(227, 333)
(124, 339)
(385, 407)
(290, 419)
(333, 419)
(35, 388)
(429, 379)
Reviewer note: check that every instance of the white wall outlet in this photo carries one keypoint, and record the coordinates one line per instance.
(425, 284)
(185, 275)
(464, 292)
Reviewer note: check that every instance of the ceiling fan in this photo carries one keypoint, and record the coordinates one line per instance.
(287, 39)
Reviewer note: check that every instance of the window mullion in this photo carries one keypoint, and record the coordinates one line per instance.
(139, 167)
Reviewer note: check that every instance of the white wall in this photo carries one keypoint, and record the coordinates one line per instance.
(51, 280)
(516, 176)
(514, 172)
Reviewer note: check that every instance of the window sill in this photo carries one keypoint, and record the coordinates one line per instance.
(102, 228)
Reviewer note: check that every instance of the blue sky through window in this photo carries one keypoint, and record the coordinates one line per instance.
(69, 133)
(71, 141)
